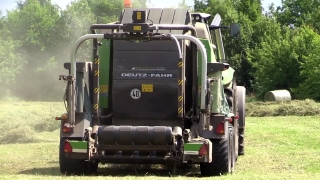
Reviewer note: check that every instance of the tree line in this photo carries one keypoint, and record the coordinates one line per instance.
(277, 48)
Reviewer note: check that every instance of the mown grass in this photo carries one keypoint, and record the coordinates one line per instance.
(276, 148)
(26, 122)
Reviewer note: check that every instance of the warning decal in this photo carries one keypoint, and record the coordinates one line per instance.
(147, 88)
(135, 93)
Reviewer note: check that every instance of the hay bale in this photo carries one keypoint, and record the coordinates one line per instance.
(277, 95)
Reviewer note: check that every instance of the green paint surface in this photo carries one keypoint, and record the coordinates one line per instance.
(210, 58)
(79, 144)
(227, 75)
(192, 146)
(104, 66)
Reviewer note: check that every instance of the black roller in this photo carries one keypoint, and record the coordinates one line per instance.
(138, 135)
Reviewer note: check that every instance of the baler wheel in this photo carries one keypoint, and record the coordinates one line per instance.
(75, 166)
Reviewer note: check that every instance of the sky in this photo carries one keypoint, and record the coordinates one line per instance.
(10, 4)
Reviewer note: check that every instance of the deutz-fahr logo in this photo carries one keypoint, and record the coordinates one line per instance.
(147, 75)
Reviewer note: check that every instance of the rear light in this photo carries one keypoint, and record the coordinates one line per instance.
(220, 128)
(66, 129)
(67, 148)
(204, 150)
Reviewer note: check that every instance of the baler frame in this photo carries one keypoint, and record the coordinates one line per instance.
(124, 36)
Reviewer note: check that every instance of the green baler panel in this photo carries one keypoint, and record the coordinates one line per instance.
(211, 58)
(215, 86)
(104, 69)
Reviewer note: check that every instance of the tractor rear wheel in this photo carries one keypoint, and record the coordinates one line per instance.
(223, 156)
(75, 166)
(241, 103)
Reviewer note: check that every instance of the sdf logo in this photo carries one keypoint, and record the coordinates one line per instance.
(147, 75)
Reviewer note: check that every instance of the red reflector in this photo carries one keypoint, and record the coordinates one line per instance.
(58, 118)
(204, 150)
(67, 148)
(237, 117)
(220, 128)
(66, 129)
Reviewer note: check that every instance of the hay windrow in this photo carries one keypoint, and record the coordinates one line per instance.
(289, 108)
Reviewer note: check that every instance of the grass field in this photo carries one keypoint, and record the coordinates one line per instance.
(276, 148)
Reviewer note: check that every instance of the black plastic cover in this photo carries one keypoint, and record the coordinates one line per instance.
(145, 80)
(137, 135)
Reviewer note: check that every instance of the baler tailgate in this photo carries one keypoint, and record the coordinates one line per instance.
(145, 80)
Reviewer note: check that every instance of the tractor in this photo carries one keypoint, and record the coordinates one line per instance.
(157, 91)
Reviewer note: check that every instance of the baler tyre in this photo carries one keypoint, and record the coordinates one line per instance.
(223, 157)
(75, 166)
(241, 99)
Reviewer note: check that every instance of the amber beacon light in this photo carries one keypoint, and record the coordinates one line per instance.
(127, 3)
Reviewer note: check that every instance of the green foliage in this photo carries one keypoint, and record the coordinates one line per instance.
(297, 12)
(310, 66)
(139, 3)
(251, 8)
(36, 39)
(10, 62)
(201, 5)
(286, 59)
(269, 55)
(33, 25)
(105, 11)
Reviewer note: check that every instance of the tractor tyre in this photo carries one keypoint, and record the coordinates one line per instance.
(241, 142)
(223, 156)
(232, 101)
(75, 166)
(241, 99)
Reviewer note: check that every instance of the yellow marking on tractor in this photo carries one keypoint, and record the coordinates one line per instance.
(95, 106)
(96, 90)
(180, 110)
(139, 15)
(180, 82)
(97, 61)
(180, 98)
(103, 88)
(180, 64)
(96, 73)
(147, 88)
(137, 28)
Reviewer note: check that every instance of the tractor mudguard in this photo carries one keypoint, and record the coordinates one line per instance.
(227, 75)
